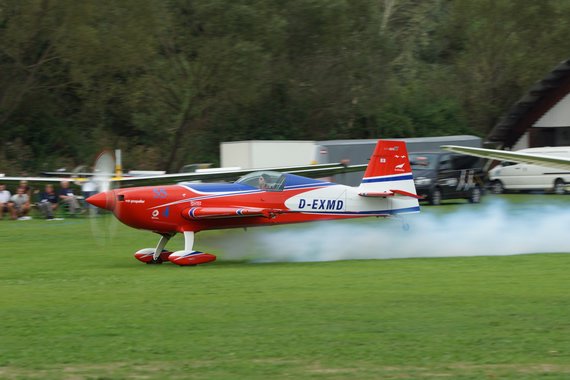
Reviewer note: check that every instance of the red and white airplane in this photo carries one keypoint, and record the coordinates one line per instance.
(259, 199)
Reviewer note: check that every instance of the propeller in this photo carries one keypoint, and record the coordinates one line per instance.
(103, 227)
(103, 169)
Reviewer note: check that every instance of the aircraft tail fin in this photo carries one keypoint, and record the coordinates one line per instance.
(388, 171)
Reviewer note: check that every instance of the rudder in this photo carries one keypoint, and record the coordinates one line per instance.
(389, 168)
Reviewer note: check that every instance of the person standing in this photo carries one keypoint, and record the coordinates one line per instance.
(89, 188)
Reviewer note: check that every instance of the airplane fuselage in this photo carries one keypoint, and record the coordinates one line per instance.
(259, 199)
(169, 208)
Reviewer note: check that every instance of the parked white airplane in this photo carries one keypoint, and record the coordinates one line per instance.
(504, 155)
(107, 161)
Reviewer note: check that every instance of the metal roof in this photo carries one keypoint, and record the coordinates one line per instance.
(541, 97)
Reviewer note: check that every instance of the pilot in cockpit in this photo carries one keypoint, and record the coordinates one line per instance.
(263, 182)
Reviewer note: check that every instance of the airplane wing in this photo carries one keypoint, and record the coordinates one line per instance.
(314, 171)
(503, 155)
(34, 180)
(194, 213)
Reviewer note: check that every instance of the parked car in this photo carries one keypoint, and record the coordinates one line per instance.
(513, 176)
(443, 175)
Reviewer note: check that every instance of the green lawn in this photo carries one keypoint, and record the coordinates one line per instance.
(75, 307)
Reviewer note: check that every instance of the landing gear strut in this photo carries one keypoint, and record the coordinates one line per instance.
(164, 238)
(155, 255)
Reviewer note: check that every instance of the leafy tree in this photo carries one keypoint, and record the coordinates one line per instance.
(167, 81)
(496, 58)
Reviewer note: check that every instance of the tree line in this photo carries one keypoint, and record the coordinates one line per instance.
(168, 80)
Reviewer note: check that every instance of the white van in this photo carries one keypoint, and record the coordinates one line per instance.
(513, 176)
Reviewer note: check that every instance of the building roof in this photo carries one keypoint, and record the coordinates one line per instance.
(541, 97)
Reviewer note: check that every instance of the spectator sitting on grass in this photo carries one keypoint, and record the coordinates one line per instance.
(27, 188)
(48, 202)
(4, 199)
(67, 196)
(19, 204)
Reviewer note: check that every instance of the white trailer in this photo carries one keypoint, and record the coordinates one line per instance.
(256, 154)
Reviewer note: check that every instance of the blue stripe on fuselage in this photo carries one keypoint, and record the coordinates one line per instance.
(294, 181)
(218, 187)
(316, 186)
(376, 212)
(388, 179)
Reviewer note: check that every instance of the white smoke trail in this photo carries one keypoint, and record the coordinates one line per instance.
(494, 228)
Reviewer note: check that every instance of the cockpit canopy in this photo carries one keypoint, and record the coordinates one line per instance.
(264, 180)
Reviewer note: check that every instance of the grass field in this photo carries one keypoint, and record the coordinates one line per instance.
(74, 307)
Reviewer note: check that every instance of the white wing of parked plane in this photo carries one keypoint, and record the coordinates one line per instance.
(504, 155)
(314, 171)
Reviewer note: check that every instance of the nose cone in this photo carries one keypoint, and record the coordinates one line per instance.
(102, 200)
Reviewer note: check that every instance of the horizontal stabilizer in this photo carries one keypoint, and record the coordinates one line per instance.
(194, 213)
(389, 193)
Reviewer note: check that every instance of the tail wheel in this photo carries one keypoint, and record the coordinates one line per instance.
(497, 187)
(559, 187)
(435, 198)
(475, 195)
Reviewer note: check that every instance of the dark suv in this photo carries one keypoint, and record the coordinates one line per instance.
(439, 175)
